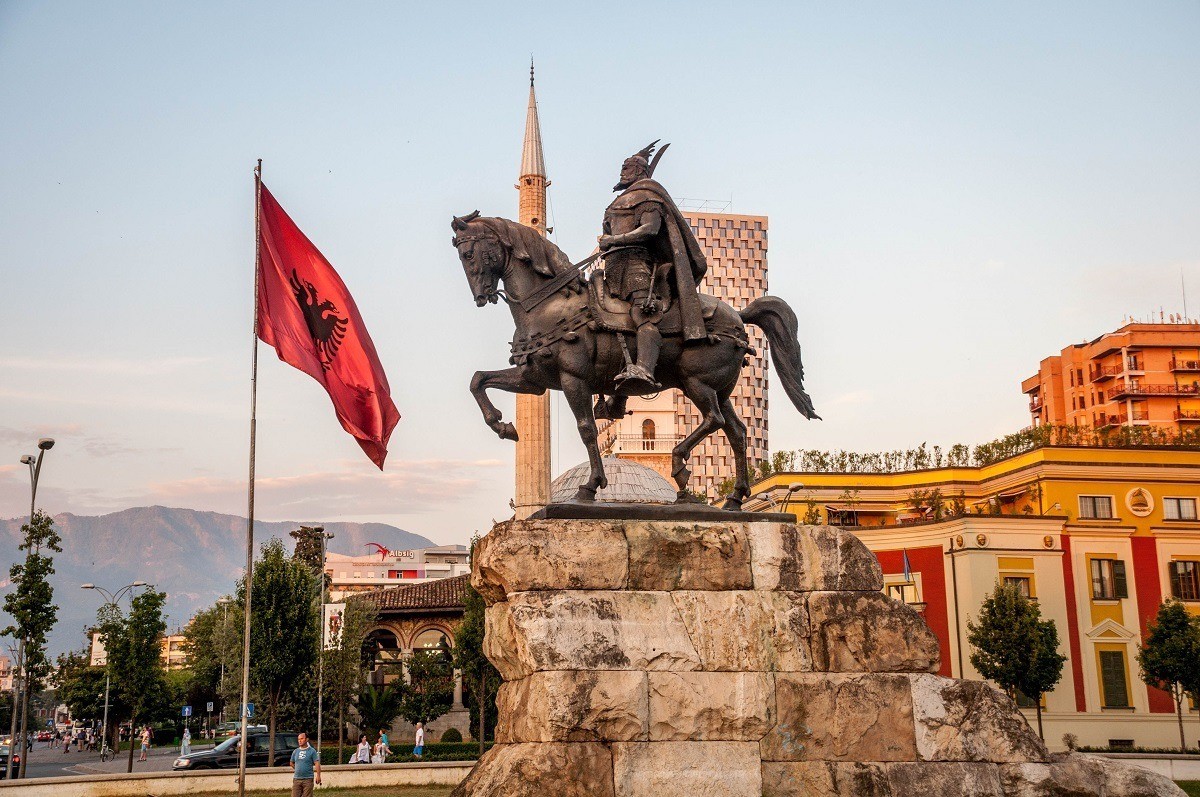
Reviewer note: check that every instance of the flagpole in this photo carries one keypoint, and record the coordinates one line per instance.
(250, 489)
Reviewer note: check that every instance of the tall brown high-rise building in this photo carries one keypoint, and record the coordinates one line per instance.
(736, 248)
(532, 412)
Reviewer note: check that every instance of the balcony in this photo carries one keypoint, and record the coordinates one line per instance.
(1125, 390)
(1106, 421)
(1188, 366)
(1137, 416)
(1187, 416)
(1105, 372)
(1035, 404)
(636, 444)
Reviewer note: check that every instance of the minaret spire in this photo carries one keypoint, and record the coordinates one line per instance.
(533, 412)
(532, 162)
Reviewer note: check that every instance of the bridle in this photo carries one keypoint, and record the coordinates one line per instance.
(489, 261)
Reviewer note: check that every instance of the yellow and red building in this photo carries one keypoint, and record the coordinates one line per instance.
(1099, 536)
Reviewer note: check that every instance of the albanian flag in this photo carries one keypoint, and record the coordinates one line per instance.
(308, 315)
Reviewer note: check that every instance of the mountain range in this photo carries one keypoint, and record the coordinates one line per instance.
(195, 557)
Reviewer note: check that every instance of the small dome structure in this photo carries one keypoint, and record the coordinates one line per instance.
(628, 483)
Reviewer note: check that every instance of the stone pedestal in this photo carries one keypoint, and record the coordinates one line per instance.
(655, 659)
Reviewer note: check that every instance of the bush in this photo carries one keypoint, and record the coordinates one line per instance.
(452, 735)
(441, 751)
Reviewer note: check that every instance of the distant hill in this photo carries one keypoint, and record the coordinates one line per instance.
(194, 556)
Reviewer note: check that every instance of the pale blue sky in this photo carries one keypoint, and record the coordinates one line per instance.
(955, 191)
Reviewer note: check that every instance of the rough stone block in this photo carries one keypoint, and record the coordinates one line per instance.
(747, 630)
(825, 779)
(706, 556)
(523, 555)
(1076, 775)
(687, 769)
(841, 717)
(587, 630)
(808, 558)
(970, 721)
(711, 706)
(571, 706)
(869, 632)
(562, 769)
(947, 779)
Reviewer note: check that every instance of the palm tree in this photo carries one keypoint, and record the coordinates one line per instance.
(377, 707)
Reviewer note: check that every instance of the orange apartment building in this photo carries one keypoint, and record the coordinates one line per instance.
(1139, 375)
(736, 248)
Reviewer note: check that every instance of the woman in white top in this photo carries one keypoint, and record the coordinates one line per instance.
(362, 755)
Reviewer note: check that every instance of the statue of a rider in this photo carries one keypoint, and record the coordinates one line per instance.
(651, 258)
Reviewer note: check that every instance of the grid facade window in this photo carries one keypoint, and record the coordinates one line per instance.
(1108, 580)
(1115, 694)
(1095, 507)
(1022, 583)
(1185, 580)
(1179, 508)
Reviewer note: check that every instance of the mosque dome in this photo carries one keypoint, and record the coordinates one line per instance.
(628, 483)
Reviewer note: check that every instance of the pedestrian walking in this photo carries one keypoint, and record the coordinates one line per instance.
(145, 743)
(306, 768)
(419, 747)
(185, 746)
(362, 754)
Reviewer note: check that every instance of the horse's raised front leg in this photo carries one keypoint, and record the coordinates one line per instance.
(579, 398)
(510, 380)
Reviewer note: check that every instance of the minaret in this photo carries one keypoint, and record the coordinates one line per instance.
(533, 412)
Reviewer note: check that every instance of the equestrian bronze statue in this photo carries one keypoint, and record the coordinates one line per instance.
(634, 327)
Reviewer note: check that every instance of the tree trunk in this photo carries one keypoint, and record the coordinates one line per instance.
(1179, 713)
(341, 729)
(1038, 704)
(130, 767)
(271, 734)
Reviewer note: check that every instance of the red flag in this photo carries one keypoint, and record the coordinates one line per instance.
(308, 315)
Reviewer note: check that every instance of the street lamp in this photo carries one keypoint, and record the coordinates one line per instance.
(325, 538)
(111, 603)
(224, 604)
(21, 695)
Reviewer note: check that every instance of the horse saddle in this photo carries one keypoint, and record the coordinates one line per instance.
(613, 314)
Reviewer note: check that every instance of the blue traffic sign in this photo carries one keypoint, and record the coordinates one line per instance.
(249, 710)
(187, 711)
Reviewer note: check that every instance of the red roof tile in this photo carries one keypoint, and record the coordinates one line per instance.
(442, 593)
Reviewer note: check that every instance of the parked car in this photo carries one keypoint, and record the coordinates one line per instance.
(225, 755)
(4, 761)
(44, 736)
(226, 729)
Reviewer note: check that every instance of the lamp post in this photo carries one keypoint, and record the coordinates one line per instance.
(224, 604)
(21, 696)
(111, 601)
(325, 538)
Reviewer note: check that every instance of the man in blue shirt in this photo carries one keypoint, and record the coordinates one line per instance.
(306, 768)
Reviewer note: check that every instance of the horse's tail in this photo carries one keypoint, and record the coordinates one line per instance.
(773, 316)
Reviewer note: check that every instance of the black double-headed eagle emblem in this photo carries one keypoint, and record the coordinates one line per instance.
(326, 327)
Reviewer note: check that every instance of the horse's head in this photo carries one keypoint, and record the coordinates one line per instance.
(483, 256)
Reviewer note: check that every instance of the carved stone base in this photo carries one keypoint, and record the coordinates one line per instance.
(740, 659)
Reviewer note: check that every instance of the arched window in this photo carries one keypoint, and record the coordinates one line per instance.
(381, 656)
(431, 639)
(648, 435)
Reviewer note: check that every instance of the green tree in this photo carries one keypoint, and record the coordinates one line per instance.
(377, 707)
(80, 685)
(284, 625)
(1170, 658)
(344, 661)
(1014, 647)
(133, 645)
(310, 546)
(429, 692)
(31, 604)
(480, 676)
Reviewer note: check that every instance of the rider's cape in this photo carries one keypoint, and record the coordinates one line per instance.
(689, 262)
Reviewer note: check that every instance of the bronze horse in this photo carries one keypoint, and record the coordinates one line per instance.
(560, 344)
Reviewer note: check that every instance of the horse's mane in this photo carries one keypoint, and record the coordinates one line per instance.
(527, 244)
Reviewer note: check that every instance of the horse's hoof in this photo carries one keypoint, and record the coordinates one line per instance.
(507, 432)
(686, 497)
(585, 494)
(732, 505)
